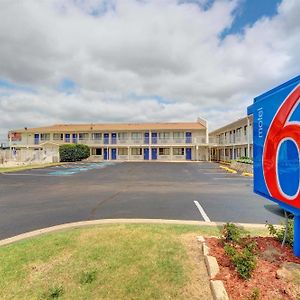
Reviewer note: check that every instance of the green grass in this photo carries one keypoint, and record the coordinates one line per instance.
(27, 167)
(101, 262)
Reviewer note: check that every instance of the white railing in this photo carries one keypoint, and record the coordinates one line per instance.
(127, 142)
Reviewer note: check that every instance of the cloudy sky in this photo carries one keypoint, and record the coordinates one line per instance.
(141, 60)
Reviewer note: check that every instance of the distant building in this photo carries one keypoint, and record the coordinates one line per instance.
(232, 141)
(133, 141)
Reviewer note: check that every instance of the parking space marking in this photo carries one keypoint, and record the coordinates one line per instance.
(214, 173)
(232, 178)
(202, 212)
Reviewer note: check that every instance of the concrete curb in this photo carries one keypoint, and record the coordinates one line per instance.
(247, 174)
(217, 287)
(118, 221)
(228, 169)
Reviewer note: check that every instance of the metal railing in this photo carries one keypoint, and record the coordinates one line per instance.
(131, 141)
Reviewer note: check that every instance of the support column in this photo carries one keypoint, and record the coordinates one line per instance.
(150, 143)
(297, 235)
(248, 137)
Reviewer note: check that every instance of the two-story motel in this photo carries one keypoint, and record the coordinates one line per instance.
(232, 141)
(120, 141)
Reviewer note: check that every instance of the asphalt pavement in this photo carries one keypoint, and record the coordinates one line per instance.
(39, 198)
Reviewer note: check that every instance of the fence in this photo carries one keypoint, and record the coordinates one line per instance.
(28, 156)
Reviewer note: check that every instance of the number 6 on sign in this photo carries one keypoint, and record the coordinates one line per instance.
(281, 131)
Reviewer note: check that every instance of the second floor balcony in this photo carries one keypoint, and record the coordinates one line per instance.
(200, 140)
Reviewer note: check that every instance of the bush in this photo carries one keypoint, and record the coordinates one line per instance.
(278, 233)
(244, 259)
(232, 233)
(239, 249)
(245, 160)
(73, 152)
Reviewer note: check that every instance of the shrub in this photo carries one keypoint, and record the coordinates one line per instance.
(232, 233)
(239, 249)
(245, 160)
(244, 259)
(278, 233)
(73, 152)
(245, 263)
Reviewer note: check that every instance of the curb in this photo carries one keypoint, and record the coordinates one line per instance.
(228, 169)
(38, 232)
(217, 286)
(247, 174)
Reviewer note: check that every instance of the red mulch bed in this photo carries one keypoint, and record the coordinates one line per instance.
(269, 260)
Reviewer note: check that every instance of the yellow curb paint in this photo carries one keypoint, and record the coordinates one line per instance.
(247, 174)
(228, 169)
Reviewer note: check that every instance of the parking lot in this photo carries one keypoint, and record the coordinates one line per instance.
(39, 198)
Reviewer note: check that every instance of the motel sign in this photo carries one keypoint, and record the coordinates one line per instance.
(276, 142)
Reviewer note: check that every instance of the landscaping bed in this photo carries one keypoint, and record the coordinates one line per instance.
(269, 280)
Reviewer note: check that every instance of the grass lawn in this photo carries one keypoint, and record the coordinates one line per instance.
(129, 261)
(27, 167)
(107, 262)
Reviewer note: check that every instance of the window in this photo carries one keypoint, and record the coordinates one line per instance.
(164, 151)
(96, 136)
(164, 135)
(45, 136)
(122, 135)
(58, 136)
(83, 136)
(97, 151)
(178, 135)
(136, 135)
(178, 151)
(245, 130)
(122, 151)
(136, 151)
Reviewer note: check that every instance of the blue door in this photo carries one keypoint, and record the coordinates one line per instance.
(67, 137)
(154, 153)
(188, 137)
(106, 138)
(154, 138)
(114, 154)
(74, 137)
(146, 138)
(36, 138)
(188, 154)
(146, 153)
(113, 138)
(106, 156)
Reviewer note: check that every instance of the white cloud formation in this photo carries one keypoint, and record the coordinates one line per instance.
(121, 53)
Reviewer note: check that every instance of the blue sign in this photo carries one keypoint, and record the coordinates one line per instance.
(276, 145)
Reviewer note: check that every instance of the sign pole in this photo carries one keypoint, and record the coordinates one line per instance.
(297, 235)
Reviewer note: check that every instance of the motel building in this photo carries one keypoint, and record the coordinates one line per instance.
(185, 141)
(232, 141)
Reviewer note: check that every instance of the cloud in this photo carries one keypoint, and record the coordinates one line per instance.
(111, 50)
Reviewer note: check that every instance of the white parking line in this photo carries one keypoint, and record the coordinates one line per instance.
(202, 212)
(233, 178)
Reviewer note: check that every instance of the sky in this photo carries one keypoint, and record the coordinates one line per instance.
(88, 61)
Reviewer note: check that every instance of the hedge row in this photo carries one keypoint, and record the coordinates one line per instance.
(73, 152)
